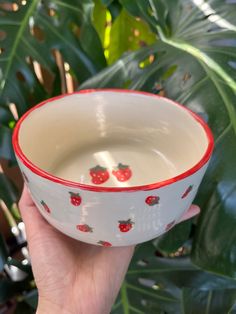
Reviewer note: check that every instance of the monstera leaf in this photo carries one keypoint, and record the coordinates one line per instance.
(31, 31)
(193, 61)
(183, 49)
(162, 285)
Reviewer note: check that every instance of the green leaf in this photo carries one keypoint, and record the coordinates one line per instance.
(171, 241)
(6, 290)
(121, 73)
(155, 285)
(3, 252)
(139, 299)
(128, 34)
(131, 6)
(214, 248)
(179, 273)
(106, 2)
(202, 53)
(15, 49)
(5, 116)
(100, 20)
(31, 298)
(233, 309)
(215, 302)
(62, 25)
(6, 150)
(115, 9)
(8, 192)
(191, 58)
(23, 307)
(9, 289)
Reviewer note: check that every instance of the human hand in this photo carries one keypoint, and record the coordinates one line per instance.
(72, 276)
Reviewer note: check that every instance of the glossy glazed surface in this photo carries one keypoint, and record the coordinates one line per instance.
(72, 135)
(97, 217)
(95, 163)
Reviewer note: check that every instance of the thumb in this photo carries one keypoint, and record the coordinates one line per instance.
(33, 220)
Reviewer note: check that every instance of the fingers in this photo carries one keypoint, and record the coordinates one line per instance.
(26, 199)
(34, 222)
(191, 212)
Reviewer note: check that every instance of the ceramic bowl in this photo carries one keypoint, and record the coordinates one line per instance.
(112, 167)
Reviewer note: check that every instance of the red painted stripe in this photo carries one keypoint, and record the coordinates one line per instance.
(156, 185)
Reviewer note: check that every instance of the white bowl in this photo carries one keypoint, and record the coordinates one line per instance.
(112, 167)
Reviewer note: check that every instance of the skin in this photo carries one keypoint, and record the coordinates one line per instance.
(71, 276)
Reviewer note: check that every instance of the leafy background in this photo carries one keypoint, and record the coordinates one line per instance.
(185, 50)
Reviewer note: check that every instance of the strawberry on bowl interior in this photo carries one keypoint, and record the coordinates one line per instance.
(101, 157)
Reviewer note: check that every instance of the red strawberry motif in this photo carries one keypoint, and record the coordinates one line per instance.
(99, 174)
(45, 206)
(152, 200)
(170, 225)
(84, 228)
(125, 225)
(188, 190)
(25, 177)
(122, 173)
(104, 243)
(75, 198)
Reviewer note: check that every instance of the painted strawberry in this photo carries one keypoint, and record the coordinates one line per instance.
(188, 190)
(104, 243)
(45, 206)
(122, 172)
(99, 174)
(25, 177)
(152, 200)
(125, 225)
(75, 198)
(84, 228)
(170, 225)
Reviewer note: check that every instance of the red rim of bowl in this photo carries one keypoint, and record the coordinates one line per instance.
(206, 156)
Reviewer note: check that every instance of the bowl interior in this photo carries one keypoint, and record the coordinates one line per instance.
(112, 138)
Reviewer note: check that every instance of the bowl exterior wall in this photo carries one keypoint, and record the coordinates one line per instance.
(112, 218)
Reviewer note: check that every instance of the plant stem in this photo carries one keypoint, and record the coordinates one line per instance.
(124, 298)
